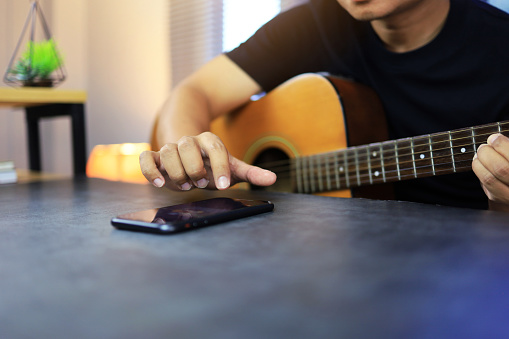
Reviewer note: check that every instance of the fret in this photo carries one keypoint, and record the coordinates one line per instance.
(462, 142)
(382, 162)
(311, 174)
(305, 175)
(368, 160)
(389, 161)
(375, 167)
(327, 172)
(452, 153)
(320, 177)
(336, 171)
(345, 169)
(298, 178)
(473, 139)
(396, 157)
(431, 154)
(499, 128)
(413, 156)
(441, 151)
(356, 157)
(461, 150)
(364, 168)
(405, 159)
(421, 155)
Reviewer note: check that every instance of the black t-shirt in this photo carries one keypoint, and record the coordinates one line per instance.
(460, 79)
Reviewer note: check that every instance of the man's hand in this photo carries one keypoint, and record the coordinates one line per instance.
(491, 165)
(200, 161)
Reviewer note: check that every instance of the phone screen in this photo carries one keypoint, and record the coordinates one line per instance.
(178, 218)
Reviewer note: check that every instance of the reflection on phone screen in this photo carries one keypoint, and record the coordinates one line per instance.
(184, 212)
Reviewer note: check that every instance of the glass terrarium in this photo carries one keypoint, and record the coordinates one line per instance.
(36, 61)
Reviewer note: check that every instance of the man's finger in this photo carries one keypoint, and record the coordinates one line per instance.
(214, 149)
(149, 163)
(171, 160)
(190, 155)
(252, 174)
(500, 143)
(494, 162)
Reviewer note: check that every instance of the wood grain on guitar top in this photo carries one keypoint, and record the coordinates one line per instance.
(308, 115)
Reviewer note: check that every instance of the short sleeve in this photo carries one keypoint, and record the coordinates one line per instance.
(284, 47)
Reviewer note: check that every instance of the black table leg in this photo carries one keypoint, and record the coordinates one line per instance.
(78, 138)
(34, 147)
(77, 114)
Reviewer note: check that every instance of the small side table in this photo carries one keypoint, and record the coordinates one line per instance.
(40, 103)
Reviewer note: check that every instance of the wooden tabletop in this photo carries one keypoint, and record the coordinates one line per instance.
(28, 96)
(317, 267)
(28, 176)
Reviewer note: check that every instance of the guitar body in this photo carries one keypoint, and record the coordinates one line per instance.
(307, 115)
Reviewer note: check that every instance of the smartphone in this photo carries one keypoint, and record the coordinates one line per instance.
(189, 216)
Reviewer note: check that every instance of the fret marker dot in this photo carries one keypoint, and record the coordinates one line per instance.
(341, 169)
(374, 154)
(463, 150)
(422, 156)
(377, 173)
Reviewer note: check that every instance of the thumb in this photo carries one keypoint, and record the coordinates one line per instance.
(252, 174)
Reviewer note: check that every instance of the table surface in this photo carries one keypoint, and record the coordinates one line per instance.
(27, 176)
(316, 267)
(31, 96)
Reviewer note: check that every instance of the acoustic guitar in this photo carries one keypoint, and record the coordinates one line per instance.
(300, 131)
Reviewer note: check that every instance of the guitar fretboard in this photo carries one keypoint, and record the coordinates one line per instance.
(390, 161)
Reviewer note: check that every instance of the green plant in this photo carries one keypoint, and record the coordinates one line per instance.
(37, 62)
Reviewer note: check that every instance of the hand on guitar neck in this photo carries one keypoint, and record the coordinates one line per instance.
(200, 161)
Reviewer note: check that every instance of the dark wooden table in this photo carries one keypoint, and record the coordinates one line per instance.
(316, 267)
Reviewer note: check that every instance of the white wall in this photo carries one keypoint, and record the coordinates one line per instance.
(12, 124)
(117, 50)
(129, 67)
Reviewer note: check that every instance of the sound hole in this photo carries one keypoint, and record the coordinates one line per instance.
(278, 162)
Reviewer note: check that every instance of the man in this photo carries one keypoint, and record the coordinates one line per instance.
(437, 65)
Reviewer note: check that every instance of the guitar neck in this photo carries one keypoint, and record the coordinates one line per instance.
(390, 161)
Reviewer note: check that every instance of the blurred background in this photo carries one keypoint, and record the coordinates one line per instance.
(127, 55)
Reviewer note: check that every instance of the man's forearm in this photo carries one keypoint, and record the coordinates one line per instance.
(186, 112)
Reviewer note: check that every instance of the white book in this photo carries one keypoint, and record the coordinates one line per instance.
(6, 165)
(8, 177)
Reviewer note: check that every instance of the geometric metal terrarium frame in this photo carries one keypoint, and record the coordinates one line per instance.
(37, 62)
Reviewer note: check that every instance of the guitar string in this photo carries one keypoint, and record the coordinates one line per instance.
(401, 151)
(391, 160)
(390, 177)
(352, 172)
(391, 143)
(390, 174)
(388, 161)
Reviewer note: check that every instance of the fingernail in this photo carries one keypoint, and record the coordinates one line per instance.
(158, 182)
(185, 186)
(222, 182)
(202, 183)
(492, 138)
